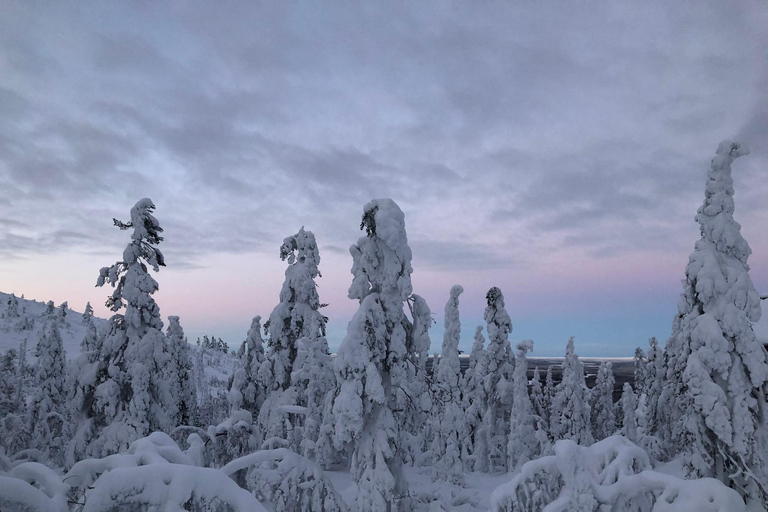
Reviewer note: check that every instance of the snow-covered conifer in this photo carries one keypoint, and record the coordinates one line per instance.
(21, 370)
(298, 311)
(539, 401)
(448, 430)
(717, 369)
(47, 410)
(8, 382)
(498, 379)
(12, 307)
(374, 344)
(474, 401)
(253, 357)
(131, 396)
(87, 312)
(413, 400)
(640, 362)
(653, 387)
(629, 410)
(570, 414)
(601, 402)
(523, 442)
(180, 375)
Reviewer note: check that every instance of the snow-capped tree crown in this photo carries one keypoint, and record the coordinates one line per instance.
(381, 261)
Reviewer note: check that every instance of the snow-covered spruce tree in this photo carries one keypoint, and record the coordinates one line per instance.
(21, 373)
(12, 307)
(374, 344)
(640, 380)
(131, 396)
(313, 379)
(498, 379)
(47, 410)
(539, 402)
(448, 430)
(653, 386)
(717, 370)
(81, 384)
(87, 312)
(628, 409)
(180, 375)
(8, 382)
(253, 357)
(296, 317)
(523, 442)
(601, 403)
(570, 413)
(298, 311)
(474, 403)
(413, 400)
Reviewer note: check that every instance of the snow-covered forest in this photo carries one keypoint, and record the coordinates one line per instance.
(139, 418)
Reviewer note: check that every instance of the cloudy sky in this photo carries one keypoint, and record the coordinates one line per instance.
(555, 149)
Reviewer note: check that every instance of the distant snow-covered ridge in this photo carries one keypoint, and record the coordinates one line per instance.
(14, 330)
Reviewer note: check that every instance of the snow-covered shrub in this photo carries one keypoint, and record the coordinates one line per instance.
(154, 474)
(233, 437)
(32, 487)
(288, 481)
(613, 474)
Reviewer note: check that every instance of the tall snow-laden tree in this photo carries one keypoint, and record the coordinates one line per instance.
(653, 386)
(180, 375)
(539, 402)
(640, 362)
(717, 370)
(570, 414)
(131, 396)
(81, 384)
(298, 313)
(523, 442)
(374, 344)
(447, 417)
(296, 317)
(629, 416)
(475, 402)
(498, 385)
(253, 357)
(47, 411)
(8, 382)
(413, 401)
(601, 403)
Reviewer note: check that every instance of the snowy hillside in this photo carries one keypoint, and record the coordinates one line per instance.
(27, 326)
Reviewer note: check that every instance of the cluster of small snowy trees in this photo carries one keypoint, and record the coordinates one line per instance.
(133, 397)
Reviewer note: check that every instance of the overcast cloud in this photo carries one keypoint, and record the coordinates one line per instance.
(509, 132)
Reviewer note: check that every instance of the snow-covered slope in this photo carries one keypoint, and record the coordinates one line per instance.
(31, 313)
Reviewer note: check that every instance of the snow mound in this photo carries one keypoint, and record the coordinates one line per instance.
(613, 474)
